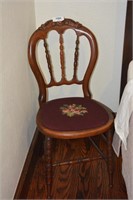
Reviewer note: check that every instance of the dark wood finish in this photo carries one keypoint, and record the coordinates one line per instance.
(48, 166)
(42, 34)
(87, 180)
(35, 151)
(128, 42)
(110, 158)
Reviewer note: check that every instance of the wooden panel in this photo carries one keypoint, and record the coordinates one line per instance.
(128, 42)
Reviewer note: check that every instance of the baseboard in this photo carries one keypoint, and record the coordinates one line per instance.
(34, 152)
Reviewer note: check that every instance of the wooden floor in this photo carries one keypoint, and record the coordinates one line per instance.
(79, 181)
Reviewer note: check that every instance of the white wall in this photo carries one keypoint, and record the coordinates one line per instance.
(18, 103)
(106, 18)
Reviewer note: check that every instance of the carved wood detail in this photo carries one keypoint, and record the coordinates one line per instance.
(76, 55)
(48, 165)
(62, 58)
(41, 34)
(66, 22)
(48, 60)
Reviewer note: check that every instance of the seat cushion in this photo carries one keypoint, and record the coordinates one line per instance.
(72, 114)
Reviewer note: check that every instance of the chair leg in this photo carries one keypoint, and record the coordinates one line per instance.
(48, 165)
(110, 157)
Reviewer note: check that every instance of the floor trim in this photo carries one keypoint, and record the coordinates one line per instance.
(35, 150)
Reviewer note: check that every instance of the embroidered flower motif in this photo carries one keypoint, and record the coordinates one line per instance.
(73, 109)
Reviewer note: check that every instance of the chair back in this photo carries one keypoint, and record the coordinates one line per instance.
(61, 28)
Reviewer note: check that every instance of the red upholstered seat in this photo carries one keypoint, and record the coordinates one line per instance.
(51, 116)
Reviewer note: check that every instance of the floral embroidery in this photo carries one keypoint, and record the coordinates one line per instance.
(73, 109)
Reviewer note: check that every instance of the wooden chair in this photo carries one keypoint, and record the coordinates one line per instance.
(68, 117)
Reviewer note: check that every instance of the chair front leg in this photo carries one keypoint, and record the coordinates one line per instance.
(48, 165)
(110, 157)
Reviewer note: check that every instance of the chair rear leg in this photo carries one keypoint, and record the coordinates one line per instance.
(110, 157)
(48, 165)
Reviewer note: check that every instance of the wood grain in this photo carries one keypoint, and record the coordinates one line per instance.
(79, 181)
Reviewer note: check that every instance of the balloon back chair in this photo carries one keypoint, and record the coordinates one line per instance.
(68, 117)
